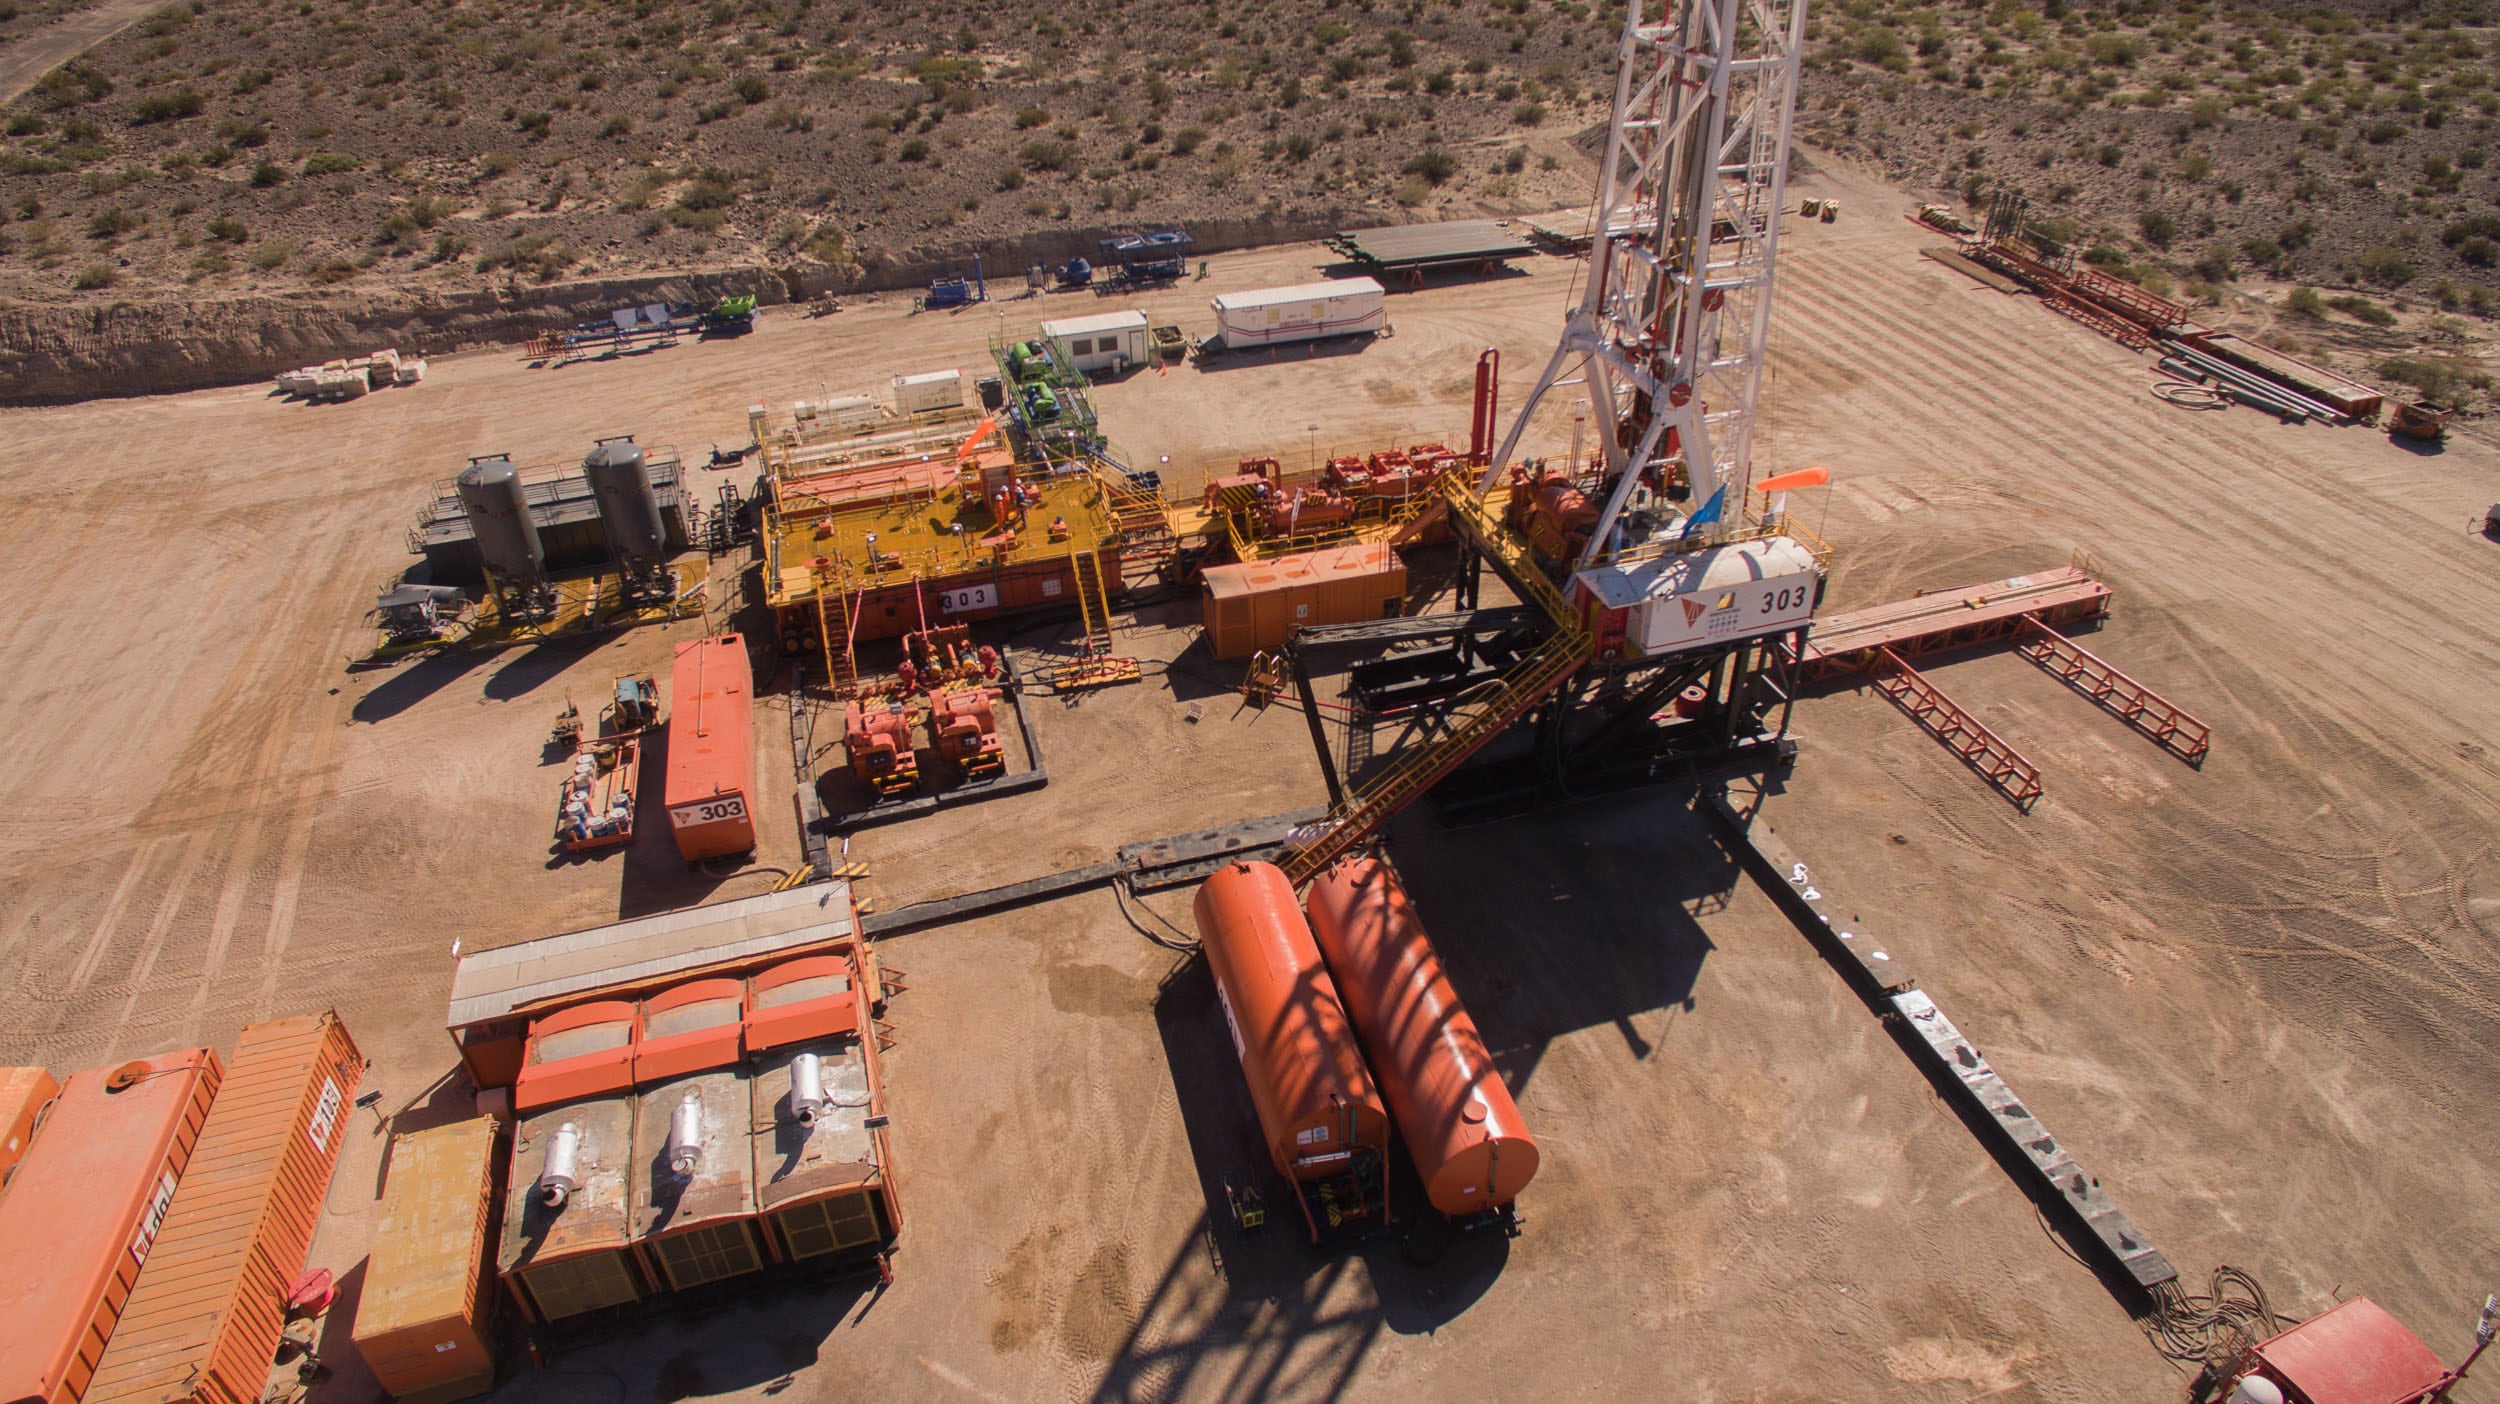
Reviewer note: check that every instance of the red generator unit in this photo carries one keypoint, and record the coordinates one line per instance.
(1462, 1130)
(83, 1213)
(1325, 1126)
(711, 750)
(966, 726)
(877, 738)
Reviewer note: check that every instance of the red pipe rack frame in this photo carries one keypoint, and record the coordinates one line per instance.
(1876, 641)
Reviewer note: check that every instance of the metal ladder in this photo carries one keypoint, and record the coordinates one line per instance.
(1410, 774)
(1966, 736)
(841, 668)
(1095, 666)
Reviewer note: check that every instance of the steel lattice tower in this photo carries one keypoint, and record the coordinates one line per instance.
(1674, 318)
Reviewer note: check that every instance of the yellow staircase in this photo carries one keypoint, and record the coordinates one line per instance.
(841, 663)
(1095, 666)
(1476, 721)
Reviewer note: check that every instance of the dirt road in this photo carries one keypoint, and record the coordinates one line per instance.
(2248, 997)
(28, 58)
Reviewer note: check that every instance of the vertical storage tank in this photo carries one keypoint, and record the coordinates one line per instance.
(1466, 1136)
(84, 1212)
(711, 749)
(628, 511)
(1316, 1102)
(422, 1321)
(499, 516)
(204, 1321)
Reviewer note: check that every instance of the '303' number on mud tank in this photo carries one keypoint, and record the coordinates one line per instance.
(1782, 600)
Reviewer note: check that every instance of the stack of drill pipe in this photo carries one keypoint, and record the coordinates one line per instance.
(2247, 386)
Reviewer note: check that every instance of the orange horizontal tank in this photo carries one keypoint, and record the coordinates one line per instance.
(1464, 1133)
(1316, 1102)
(711, 749)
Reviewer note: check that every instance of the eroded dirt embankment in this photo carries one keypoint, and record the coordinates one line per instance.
(56, 352)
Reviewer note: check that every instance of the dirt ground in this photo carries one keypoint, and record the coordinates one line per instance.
(2249, 997)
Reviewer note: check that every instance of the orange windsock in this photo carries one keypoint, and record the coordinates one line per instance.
(1802, 478)
(987, 427)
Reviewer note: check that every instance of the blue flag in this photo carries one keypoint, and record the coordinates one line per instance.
(1710, 512)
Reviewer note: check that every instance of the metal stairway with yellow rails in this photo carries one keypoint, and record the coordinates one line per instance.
(1095, 665)
(1475, 721)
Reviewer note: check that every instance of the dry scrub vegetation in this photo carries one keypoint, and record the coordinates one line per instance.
(2335, 161)
(226, 145)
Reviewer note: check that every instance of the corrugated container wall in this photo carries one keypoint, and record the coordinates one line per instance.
(711, 749)
(1258, 605)
(204, 1322)
(24, 1093)
(83, 1212)
(421, 1322)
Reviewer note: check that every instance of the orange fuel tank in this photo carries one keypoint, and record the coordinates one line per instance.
(1316, 1102)
(711, 749)
(1466, 1136)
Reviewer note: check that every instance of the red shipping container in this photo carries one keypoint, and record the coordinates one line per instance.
(84, 1211)
(204, 1322)
(711, 749)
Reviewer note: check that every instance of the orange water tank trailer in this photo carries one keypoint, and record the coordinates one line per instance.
(24, 1095)
(1316, 1101)
(1462, 1130)
(967, 729)
(711, 749)
(877, 737)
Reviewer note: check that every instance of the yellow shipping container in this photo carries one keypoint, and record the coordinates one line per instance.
(422, 1323)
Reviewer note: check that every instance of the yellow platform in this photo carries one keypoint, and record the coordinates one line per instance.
(585, 604)
(927, 532)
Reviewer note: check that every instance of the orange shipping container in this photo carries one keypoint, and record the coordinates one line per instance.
(24, 1093)
(84, 1211)
(1257, 605)
(711, 749)
(421, 1322)
(203, 1324)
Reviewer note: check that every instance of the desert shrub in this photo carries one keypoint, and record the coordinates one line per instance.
(230, 231)
(711, 189)
(1881, 46)
(94, 276)
(2262, 251)
(252, 80)
(1529, 114)
(913, 150)
(272, 256)
(1413, 190)
(1187, 140)
(2158, 227)
(2438, 378)
(111, 223)
(1050, 155)
(166, 107)
(267, 174)
(751, 88)
(2384, 264)
(496, 163)
(2305, 302)
(1432, 164)
(2479, 251)
(69, 86)
(2361, 309)
(1030, 118)
(241, 134)
(25, 124)
(617, 126)
(322, 163)
(1011, 178)
(2114, 50)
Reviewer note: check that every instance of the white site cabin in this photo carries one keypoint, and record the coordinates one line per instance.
(1111, 341)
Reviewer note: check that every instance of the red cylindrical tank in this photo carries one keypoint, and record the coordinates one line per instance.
(1465, 1134)
(1297, 1050)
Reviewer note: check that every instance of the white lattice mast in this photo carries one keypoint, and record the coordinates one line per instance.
(1675, 317)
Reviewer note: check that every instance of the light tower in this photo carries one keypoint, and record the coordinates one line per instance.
(1674, 317)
